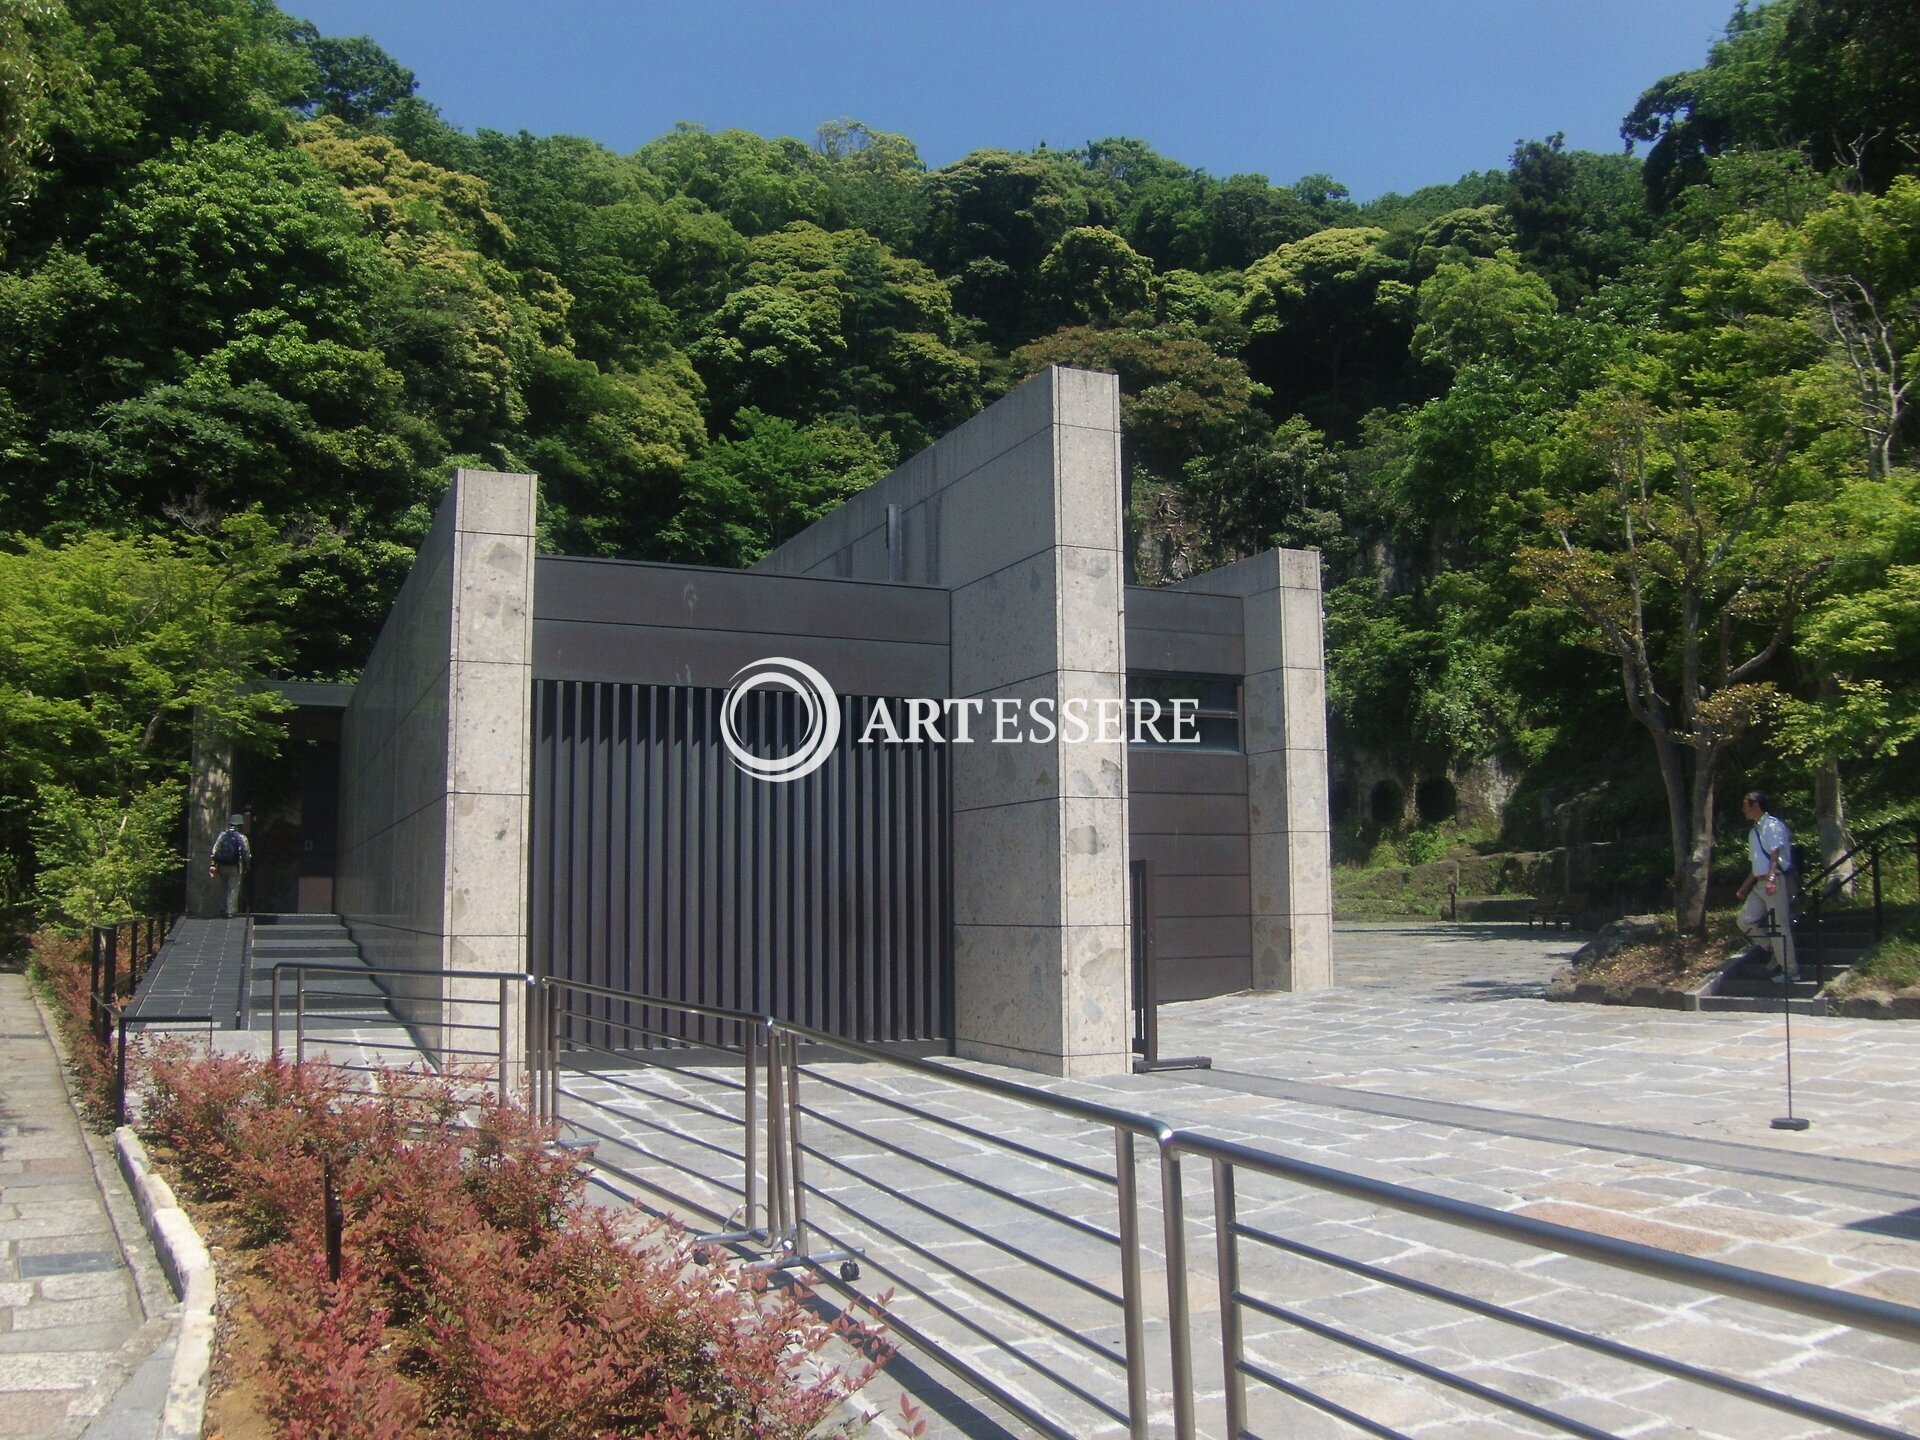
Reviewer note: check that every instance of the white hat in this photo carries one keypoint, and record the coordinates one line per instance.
(236, 819)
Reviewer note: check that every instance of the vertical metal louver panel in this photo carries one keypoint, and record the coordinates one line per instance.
(659, 867)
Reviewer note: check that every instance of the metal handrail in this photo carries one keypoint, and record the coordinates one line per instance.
(1872, 837)
(1127, 1126)
(756, 1042)
(787, 1234)
(505, 983)
(1825, 883)
(1818, 1302)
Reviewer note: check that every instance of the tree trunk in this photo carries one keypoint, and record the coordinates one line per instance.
(1689, 879)
(1696, 869)
(1829, 802)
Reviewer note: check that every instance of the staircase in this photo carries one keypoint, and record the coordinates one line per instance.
(1845, 936)
(330, 997)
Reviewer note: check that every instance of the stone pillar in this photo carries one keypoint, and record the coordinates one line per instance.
(209, 803)
(1017, 513)
(1284, 732)
(435, 765)
(1041, 973)
(489, 745)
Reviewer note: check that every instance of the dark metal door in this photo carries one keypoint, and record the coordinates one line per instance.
(659, 867)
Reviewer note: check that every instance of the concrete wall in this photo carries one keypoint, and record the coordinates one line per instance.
(1018, 514)
(434, 752)
(1284, 732)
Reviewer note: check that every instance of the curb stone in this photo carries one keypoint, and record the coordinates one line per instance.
(1873, 1006)
(189, 1266)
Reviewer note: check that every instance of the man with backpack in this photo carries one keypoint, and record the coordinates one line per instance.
(231, 857)
(1766, 916)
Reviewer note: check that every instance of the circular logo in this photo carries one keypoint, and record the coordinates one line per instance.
(817, 702)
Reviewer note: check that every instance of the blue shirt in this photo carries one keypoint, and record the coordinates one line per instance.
(1770, 837)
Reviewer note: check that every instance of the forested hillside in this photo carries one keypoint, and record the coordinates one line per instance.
(1606, 455)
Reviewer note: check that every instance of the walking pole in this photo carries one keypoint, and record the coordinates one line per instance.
(1788, 1121)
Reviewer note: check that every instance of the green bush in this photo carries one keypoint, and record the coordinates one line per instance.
(1893, 964)
(1426, 845)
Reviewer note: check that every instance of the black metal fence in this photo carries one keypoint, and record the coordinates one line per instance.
(659, 867)
(121, 955)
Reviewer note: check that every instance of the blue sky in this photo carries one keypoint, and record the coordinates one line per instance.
(1382, 94)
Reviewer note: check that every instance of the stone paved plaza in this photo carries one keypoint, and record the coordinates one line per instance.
(1432, 1063)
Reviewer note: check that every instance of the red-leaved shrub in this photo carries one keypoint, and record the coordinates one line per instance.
(63, 964)
(479, 1295)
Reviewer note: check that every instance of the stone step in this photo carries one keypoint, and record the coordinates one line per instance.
(1755, 1005)
(317, 953)
(317, 973)
(1763, 988)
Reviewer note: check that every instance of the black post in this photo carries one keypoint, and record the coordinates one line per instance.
(120, 1075)
(93, 980)
(1146, 918)
(109, 987)
(1879, 923)
(335, 1220)
(1788, 1121)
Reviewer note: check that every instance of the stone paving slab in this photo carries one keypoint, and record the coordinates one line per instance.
(1433, 1063)
(73, 1326)
(1454, 1014)
(1479, 1117)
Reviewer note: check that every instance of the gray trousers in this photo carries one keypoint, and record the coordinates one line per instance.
(229, 877)
(1753, 920)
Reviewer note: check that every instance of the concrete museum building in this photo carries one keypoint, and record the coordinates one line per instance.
(931, 773)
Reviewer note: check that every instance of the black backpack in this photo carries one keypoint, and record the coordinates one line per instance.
(228, 849)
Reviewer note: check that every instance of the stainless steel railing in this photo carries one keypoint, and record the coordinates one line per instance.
(917, 1263)
(819, 1119)
(1230, 1161)
(506, 1008)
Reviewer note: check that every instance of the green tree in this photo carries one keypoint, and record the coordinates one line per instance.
(874, 181)
(1179, 397)
(1289, 489)
(765, 484)
(991, 218)
(610, 448)
(758, 185)
(356, 81)
(158, 71)
(1836, 79)
(1578, 219)
(1479, 309)
(1094, 277)
(834, 322)
(109, 649)
(1326, 314)
(1688, 547)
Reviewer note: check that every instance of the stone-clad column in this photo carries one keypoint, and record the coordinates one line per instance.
(435, 763)
(1284, 732)
(489, 739)
(1017, 513)
(1041, 976)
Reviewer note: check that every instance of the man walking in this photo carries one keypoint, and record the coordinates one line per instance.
(231, 858)
(1766, 916)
